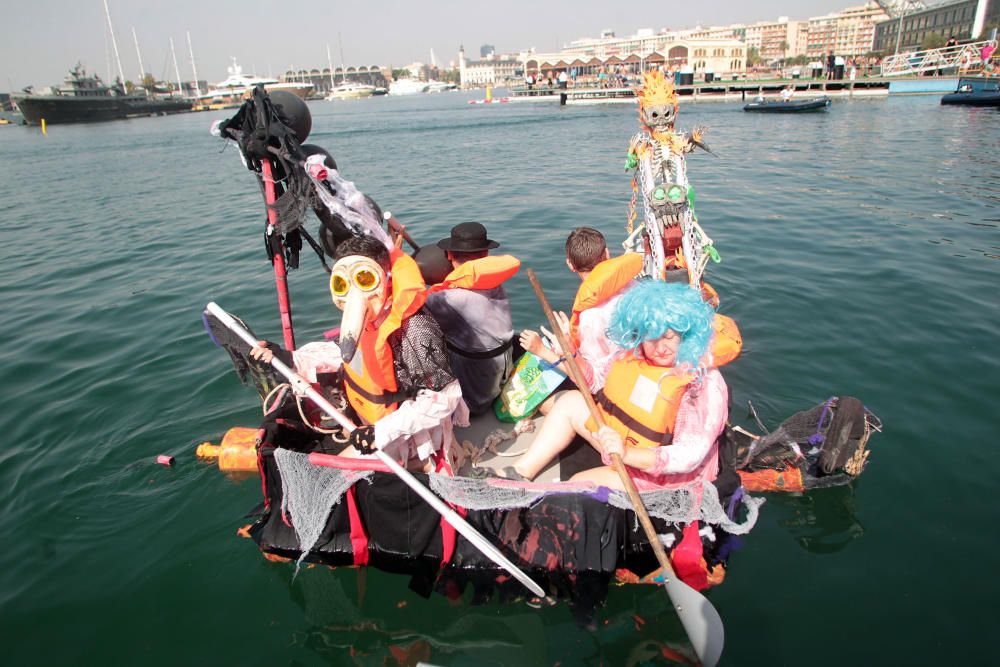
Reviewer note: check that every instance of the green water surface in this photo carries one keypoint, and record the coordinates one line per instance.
(860, 256)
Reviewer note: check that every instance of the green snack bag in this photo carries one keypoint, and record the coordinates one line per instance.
(532, 381)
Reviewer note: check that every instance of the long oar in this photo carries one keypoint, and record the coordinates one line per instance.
(700, 619)
(457, 522)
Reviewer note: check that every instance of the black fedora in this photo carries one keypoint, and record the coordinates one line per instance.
(467, 237)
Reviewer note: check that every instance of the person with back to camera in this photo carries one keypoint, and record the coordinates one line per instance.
(603, 280)
(472, 308)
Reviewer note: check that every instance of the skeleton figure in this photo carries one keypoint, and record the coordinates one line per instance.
(670, 236)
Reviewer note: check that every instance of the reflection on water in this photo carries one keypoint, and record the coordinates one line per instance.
(351, 614)
(823, 521)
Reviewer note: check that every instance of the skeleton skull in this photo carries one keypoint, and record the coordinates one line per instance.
(659, 117)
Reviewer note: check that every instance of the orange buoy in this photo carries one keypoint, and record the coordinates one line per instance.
(236, 453)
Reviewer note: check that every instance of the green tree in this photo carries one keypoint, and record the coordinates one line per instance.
(148, 82)
(784, 49)
(398, 74)
(933, 40)
(753, 56)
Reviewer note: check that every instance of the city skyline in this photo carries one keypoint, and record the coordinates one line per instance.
(43, 40)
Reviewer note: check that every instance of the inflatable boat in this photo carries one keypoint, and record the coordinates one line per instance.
(792, 106)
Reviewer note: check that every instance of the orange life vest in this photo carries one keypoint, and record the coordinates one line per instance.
(483, 273)
(640, 401)
(369, 378)
(605, 281)
(727, 343)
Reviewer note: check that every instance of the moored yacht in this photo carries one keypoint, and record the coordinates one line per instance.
(349, 91)
(407, 87)
(231, 91)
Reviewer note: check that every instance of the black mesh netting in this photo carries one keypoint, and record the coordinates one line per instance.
(420, 356)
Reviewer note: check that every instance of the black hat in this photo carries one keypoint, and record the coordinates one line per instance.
(467, 237)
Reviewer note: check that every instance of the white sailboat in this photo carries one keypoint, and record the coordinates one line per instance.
(346, 90)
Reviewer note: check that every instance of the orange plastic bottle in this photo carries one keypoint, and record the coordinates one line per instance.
(236, 453)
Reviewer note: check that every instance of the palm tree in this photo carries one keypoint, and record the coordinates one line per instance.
(784, 48)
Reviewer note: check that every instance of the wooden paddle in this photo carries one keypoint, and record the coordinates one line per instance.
(700, 619)
(449, 515)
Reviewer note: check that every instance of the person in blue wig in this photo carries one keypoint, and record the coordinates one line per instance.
(664, 402)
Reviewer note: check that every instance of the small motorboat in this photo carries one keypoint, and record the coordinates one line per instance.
(792, 106)
(981, 98)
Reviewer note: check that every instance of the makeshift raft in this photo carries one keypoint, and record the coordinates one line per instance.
(573, 539)
(336, 511)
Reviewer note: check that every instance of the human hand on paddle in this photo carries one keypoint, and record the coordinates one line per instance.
(260, 352)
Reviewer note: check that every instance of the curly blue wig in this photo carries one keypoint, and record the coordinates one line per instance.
(649, 309)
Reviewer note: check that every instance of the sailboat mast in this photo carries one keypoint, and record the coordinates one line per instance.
(138, 53)
(329, 63)
(114, 42)
(197, 86)
(177, 72)
(343, 65)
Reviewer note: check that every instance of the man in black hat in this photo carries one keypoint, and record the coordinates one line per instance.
(471, 307)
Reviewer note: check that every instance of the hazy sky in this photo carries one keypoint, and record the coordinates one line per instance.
(41, 39)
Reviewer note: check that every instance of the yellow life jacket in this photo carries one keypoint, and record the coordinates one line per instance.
(640, 401)
(483, 273)
(369, 378)
(605, 281)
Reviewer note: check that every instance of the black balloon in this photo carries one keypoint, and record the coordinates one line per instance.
(293, 112)
(433, 262)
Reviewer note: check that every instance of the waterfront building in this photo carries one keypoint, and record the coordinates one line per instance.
(719, 52)
(493, 70)
(849, 32)
(324, 80)
(962, 19)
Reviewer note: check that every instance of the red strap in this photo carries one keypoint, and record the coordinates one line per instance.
(448, 532)
(359, 538)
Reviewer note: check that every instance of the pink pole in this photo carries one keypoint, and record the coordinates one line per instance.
(280, 274)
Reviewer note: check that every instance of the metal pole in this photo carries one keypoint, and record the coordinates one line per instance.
(899, 32)
(142, 71)
(114, 43)
(177, 72)
(329, 63)
(194, 70)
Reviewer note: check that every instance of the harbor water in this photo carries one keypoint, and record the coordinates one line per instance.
(860, 255)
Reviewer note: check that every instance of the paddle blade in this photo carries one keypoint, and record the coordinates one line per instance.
(700, 620)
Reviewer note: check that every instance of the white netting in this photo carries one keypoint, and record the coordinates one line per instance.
(675, 506)
(682, 506)
(309, 494)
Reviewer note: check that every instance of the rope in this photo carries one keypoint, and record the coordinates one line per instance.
(298, 404)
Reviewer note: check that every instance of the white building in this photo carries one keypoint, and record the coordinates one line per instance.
(494, 71)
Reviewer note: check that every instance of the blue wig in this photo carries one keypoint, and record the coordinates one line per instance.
(647, 310)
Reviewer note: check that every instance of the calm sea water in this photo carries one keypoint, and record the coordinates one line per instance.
(861, 255)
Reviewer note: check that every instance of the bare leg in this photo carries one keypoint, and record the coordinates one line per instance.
(567, 419)
(603, 476)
